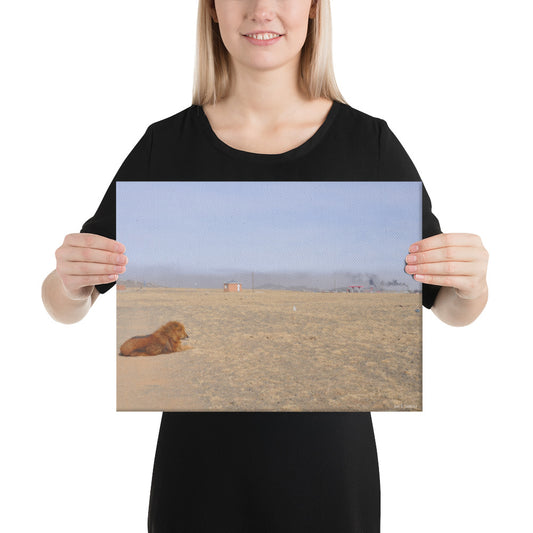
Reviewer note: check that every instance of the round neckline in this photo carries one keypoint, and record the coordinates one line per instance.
(298, 151)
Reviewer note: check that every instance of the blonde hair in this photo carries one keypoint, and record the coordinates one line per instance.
(212, 71)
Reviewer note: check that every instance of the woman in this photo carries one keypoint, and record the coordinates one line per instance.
(266, 107)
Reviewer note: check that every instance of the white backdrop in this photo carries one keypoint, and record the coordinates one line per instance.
(82, 81)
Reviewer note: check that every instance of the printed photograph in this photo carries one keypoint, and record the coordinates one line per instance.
(268, 296)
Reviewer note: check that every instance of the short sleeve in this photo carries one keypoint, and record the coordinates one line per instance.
(395, 164)
(135, 167)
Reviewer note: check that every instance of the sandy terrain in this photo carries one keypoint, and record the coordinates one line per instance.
(273, 351)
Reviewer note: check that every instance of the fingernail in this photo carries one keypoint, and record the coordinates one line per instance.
(413, 248)
(411, 259)
(420, 277)
(410, 269)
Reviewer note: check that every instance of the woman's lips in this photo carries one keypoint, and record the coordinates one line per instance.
(262, 42)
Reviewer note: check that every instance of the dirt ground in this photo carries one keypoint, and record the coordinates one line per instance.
(273, 351)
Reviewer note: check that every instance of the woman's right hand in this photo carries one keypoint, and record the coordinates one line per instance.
(85, 260)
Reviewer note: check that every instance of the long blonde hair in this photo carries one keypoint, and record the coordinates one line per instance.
(212, 71)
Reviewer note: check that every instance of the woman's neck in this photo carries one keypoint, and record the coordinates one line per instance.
(266, 97)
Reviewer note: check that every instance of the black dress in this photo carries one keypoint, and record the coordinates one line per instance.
(274, 472)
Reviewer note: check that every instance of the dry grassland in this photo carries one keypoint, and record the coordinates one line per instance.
(273, 351)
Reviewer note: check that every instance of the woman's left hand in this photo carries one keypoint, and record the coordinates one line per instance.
(457, 260)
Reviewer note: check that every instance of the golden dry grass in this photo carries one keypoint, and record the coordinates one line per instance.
(254, 352)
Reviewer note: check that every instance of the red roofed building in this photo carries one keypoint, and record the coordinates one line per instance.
(232, 286)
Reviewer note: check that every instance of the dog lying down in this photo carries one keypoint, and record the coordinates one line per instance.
(167, 339)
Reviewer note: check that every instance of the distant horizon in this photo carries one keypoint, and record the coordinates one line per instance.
(311, 281)
(387, 289)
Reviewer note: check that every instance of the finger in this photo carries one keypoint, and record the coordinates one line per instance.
(90, 255)
(74, 283)
(92, 240)
(466, 286)
(463, 283)
(447, 268)
(443, 240)
(450, 253)
(71, 268)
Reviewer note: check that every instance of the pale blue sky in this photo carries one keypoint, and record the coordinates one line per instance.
(319, 227)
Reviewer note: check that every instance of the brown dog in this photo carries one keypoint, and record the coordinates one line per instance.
(166, 339)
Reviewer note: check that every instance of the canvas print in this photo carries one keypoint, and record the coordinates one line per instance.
(268, 296)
